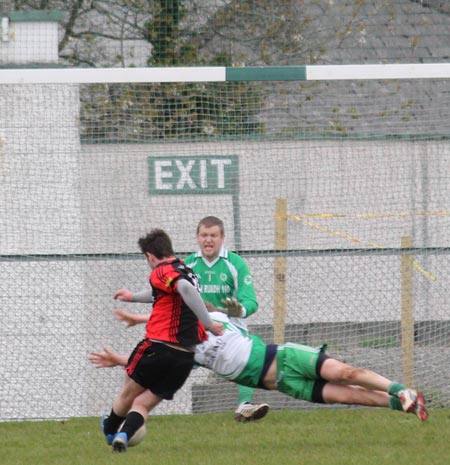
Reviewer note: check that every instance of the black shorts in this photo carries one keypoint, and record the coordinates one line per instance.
(159, 368)
(317, 394)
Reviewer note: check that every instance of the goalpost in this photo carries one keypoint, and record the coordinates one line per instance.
(332, 181)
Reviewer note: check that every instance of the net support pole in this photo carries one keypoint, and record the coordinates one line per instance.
(280, 268)
(236, 214)
(407, 324)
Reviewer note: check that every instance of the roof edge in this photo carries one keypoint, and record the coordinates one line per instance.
(36, 15)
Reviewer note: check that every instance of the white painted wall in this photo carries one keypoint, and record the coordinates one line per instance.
(29, 42)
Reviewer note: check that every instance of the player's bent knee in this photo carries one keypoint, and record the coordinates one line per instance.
(347, 374)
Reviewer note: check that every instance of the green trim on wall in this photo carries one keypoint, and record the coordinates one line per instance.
(267, 73)
(36, 15)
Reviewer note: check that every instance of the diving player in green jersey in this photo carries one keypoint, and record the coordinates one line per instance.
(226, 285)
(297, 370)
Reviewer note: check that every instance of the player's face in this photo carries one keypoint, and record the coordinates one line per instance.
(210, 241)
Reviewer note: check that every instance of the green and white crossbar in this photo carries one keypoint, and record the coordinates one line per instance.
(224, 74)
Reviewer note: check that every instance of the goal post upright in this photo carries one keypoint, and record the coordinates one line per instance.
(407, 323)
(280, 270)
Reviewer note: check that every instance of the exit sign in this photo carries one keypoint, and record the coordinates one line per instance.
(199, 174)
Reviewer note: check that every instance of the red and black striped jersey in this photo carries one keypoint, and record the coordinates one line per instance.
(171, 319)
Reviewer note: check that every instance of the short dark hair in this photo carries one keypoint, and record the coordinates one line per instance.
(158, 243)
(209, 222)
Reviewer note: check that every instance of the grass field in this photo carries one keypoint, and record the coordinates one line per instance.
(319, 437)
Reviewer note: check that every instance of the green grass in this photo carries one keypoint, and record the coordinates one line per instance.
(319, 437)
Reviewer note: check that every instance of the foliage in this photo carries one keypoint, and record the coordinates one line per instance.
(183, 111)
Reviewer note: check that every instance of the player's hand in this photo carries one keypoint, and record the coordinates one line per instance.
(233, 307)
(105, 359)
(124, 295)
(128, 318)
(216, 328)
(211, 308)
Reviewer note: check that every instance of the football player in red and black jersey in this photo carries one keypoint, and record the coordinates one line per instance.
(162, 361)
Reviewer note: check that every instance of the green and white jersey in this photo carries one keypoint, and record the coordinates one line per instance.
(226, 276)
(232, 355)
(240, 358)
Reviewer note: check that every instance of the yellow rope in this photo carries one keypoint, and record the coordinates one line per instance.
(303, 219)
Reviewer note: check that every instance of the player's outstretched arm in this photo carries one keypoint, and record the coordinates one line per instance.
(130, 319)
(107, 359)
(125, 295)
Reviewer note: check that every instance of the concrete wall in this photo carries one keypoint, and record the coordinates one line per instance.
(29, 37)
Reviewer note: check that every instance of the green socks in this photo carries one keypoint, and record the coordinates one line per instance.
(394, 401)
(395, 387)
(245, 394)
(395, 404)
